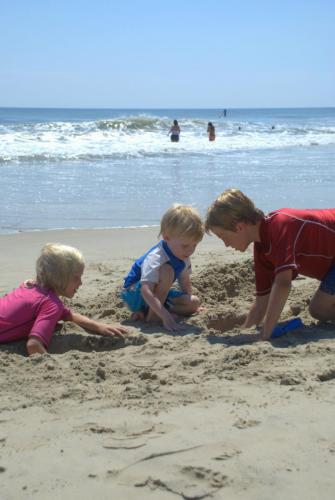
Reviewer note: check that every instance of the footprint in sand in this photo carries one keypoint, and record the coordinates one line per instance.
(100, 429)
(227, 454)
(196, 482)
(211, 477)
(241, 423)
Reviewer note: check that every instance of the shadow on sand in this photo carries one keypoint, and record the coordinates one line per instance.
(62, 343)
(315, 333)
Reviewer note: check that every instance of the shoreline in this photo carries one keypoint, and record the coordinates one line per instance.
(19, 231)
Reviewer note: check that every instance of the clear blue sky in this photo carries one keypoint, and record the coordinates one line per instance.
(154, 53)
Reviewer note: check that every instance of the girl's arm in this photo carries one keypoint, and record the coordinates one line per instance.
(97, 327)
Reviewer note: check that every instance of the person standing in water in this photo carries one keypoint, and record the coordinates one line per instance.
(174, 131)
(211, 131)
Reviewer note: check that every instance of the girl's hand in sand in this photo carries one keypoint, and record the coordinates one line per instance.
(112, 330)
(96, 326)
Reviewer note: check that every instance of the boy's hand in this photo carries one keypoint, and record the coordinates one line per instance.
(264, 335)
(257, 311)
(112, 330)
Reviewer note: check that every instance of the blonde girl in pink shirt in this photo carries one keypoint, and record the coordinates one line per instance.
(32, 310)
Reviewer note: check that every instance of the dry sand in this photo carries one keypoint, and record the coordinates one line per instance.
(209, 413)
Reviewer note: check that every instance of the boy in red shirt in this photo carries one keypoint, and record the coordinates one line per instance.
(287, 242)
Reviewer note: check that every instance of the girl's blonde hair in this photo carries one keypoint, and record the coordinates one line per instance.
(56, 265)
(230, 208)
(182, 220)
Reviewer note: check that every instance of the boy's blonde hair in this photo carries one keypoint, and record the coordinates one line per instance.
(182, 220)
(230, 208)
(56, 265)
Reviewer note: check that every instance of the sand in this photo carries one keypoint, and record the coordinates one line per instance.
(207, 413)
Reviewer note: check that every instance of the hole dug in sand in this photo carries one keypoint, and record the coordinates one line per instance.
(225, 321)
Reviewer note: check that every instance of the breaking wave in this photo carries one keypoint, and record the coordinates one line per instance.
(142, 136)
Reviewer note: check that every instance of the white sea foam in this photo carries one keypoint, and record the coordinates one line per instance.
(141, 136)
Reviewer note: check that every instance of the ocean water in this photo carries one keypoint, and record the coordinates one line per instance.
(93, 168)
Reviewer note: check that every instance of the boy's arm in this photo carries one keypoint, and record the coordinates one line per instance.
(257, 311)
(96, 326)
(158, 308)
(278, 296)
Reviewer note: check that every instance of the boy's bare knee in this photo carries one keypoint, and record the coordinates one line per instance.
(313, 311)
(322, 306)
(316, 311)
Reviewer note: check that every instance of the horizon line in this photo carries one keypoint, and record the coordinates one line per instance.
(168, 108)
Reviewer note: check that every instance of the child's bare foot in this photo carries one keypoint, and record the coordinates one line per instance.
(138, 316)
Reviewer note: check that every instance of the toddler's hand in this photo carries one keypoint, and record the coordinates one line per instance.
(171, 325)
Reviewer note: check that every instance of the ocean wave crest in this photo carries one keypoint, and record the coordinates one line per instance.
(147, 136)
(133, 123)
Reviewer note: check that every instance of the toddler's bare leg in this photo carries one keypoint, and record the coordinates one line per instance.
(185, 305)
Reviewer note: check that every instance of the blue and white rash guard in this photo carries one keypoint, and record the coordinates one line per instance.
(146, 268)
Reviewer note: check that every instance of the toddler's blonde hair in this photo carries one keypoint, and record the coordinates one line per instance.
(56, 265)
(231, 207)
(182, 220)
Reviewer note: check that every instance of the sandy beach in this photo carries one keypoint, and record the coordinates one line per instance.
(207, 413)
